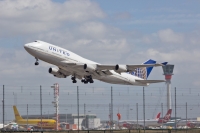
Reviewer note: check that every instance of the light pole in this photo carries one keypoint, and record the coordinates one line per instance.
(48, 114)
(85, 114)
(66, 115)
(131, 116)
(44, 115)
(131, 110)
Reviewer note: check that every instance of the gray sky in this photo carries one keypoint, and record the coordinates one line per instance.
(115, 31)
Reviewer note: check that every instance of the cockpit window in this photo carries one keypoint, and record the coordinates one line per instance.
(35, 41)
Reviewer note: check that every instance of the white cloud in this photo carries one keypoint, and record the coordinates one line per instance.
(93, 29)
(22, 17)
(91, 38)
(176, 56)
(166, 19)
(86, 45)
(168, 36)
(147, 40)
(169, 40)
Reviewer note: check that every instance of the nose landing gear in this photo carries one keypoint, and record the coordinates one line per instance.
(36, 63)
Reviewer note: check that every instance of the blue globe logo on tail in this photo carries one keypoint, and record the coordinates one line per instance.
(143, 72)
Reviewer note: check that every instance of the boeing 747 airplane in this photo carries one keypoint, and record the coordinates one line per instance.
(69, 63)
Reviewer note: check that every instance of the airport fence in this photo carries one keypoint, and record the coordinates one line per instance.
(122, 131)
(133, 103)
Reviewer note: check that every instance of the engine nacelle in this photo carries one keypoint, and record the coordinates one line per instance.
(56, 72)
(120, 68)
(53, 70)
(89, 67)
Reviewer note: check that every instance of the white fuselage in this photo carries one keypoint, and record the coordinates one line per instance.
(58, 56)
(151, 122)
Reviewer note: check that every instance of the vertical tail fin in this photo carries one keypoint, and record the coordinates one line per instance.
(168, 115)
(149, 69)
(145, 71)
(16, 113)
(166, 118)
(158, 116)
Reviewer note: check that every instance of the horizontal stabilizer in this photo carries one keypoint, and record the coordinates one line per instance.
(164, 63)
(150, 81)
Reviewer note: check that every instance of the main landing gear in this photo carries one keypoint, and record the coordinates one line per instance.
(87, 79)
(36, 63)
(73, 79)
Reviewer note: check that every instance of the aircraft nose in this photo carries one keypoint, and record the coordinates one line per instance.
(26, 46)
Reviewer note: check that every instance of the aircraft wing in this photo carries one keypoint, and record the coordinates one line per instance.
(99, 69)
(106, 72)
(74, 64)
(128, 67)
(105, 67)
(150, 81)
(133, 67)
(125, 68)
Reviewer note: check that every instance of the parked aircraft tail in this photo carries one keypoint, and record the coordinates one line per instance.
(191, 124)
(166, 118)
(157, 116)
(168, 115)
(16, 113)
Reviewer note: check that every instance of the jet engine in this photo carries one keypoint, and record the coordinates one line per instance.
(56, 72)
(120, 68)
(89, 67)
